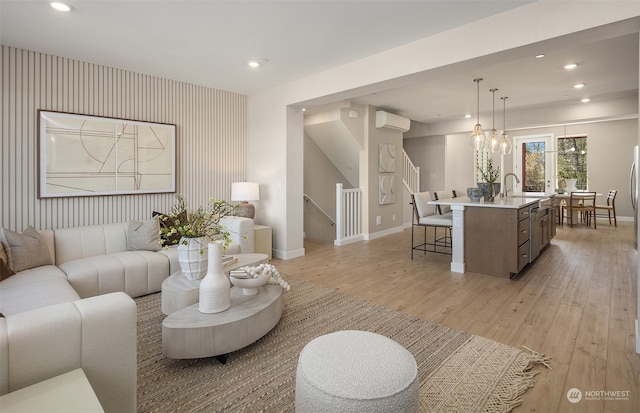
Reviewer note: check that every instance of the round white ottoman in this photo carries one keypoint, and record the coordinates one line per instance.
(356, 371)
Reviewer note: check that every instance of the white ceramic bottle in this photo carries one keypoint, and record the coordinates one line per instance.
(215, 288)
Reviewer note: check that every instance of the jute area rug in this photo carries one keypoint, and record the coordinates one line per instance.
(459, 372)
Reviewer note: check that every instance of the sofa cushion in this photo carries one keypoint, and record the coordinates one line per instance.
(35, 288)
(134, 272)
(26, 250)
(81, 242)
(143, 235)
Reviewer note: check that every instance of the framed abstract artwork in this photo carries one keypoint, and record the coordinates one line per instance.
(387, 159)
(80, 155)
(386, 190)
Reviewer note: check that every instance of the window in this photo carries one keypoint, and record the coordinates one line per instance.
(572, 160)
(534, 166)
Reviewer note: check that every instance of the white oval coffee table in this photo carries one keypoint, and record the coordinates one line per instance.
(188, 333)
(178, 291)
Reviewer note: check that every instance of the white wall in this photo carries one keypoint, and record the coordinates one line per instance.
(391, 215)
(271, 143)
(609, 156)
(428, 153)
(210, 129)
(320, 178)
(610, 145)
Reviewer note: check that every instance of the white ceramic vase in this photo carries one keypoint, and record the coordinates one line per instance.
(215, 288)
(571, 185)
(193, 263)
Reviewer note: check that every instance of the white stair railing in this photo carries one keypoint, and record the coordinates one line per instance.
(348, 215)
(410, 174)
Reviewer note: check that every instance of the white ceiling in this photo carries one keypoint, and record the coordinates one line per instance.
(209, 43)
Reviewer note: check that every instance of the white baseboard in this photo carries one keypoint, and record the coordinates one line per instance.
(637, 338)
(457, 267)
(288, 255)
(340, 243)
(384, 233)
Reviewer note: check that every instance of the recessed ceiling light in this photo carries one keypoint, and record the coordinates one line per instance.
(579, 85)
(570, 66)
(467, 116)
(585, 100)
(539, 56)
(258, 62)
(60, 6)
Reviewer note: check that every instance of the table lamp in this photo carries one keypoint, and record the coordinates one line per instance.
(244, 192)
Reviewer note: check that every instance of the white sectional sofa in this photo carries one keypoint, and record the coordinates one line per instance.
(75, 309)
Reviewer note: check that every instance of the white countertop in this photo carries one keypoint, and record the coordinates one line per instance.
(511, 202)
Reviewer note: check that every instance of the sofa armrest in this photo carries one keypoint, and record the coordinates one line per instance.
(241, 230)
(97, 334)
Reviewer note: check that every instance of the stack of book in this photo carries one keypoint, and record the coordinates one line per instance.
(228, 260)
(240, 274)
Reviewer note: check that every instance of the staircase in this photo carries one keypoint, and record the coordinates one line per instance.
(338, 132)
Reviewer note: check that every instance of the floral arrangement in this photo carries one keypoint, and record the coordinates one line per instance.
(491, 173)
(203, 222)
(264, 269)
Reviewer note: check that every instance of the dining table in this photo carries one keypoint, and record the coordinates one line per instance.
(565, 196)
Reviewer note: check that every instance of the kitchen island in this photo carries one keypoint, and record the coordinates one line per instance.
(499, 238)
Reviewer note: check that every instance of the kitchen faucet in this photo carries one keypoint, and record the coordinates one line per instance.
(504, 183)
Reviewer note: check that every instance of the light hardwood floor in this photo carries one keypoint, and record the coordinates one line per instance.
(575, 303)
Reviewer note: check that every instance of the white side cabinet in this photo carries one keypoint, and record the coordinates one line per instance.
(262, 237)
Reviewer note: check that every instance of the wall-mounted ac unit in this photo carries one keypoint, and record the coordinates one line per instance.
(391, 121)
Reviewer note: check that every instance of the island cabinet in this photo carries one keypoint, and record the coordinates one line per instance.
(496, 240)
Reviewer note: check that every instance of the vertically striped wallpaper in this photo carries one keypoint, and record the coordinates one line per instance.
(210, 133)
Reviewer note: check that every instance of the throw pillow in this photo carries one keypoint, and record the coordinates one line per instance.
(5, 271)
(26, 250)
(3, 253)
(143, 235)
(164, 223)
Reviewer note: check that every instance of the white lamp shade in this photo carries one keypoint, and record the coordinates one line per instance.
(245, 191)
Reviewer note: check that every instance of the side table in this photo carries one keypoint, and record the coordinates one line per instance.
(263, 240)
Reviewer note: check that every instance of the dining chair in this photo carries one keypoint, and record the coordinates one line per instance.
(582, 203)
(609, 208)
(425, 215)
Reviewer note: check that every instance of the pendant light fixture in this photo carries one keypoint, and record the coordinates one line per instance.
(505, 143)
(478, 137)
(492, 142)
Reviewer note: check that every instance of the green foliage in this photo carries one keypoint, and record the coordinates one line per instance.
(534, 167)
(572, 164)
(203, 222)
(490, 174)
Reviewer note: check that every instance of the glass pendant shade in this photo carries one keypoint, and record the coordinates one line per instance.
(492, 142)
(478, 137)
(505, 142)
